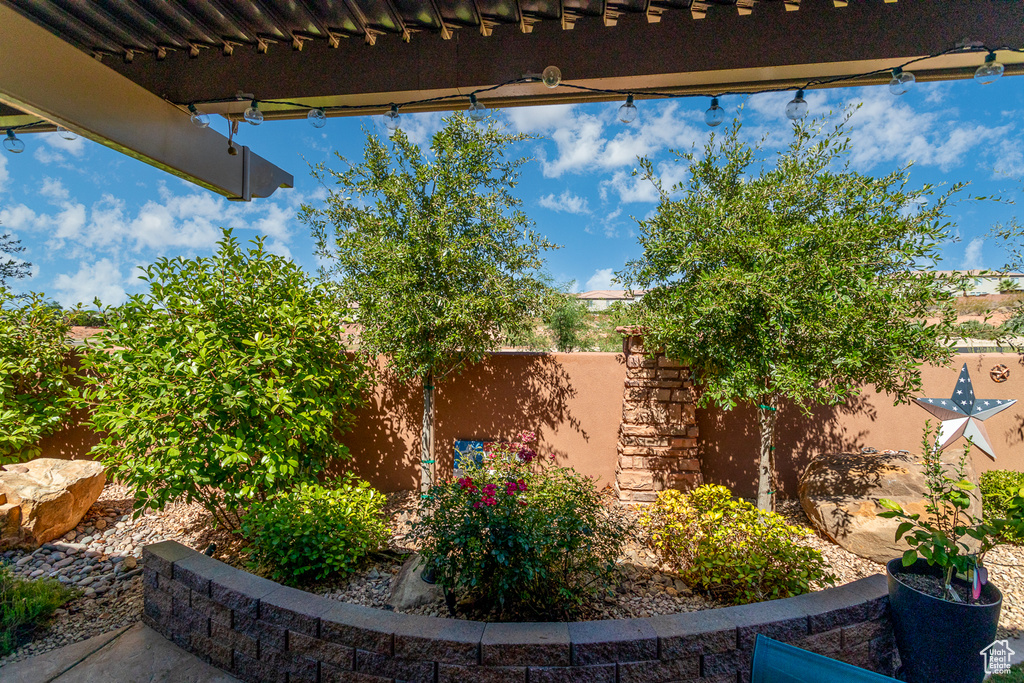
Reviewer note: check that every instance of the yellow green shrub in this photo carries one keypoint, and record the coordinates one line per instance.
(730, 549)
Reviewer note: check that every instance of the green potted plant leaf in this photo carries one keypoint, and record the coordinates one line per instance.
(944, 609)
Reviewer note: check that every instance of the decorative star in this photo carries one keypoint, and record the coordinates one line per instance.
(965, 414)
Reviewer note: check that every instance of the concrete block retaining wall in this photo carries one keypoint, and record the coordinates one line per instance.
(261, 631)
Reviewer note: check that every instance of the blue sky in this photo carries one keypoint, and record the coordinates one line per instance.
(89, 216)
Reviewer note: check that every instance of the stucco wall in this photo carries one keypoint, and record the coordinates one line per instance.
(574, 402)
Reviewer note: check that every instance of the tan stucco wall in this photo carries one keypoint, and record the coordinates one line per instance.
(730, 439)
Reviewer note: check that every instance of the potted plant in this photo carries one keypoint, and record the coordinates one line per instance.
(944, 610)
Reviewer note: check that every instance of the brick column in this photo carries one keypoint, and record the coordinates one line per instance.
(657, 447)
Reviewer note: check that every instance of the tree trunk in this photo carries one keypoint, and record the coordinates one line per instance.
(427, 438)
(766, 416)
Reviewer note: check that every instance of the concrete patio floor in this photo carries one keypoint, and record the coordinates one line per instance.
(128, 655)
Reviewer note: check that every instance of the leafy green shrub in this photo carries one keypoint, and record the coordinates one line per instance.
(568, 321)
(729, 548)
(35, 375)
(224, 382)
(24, 605)
(1014, 675)
(972, 329)
(313, 531)
(998, 489)
(526, 540)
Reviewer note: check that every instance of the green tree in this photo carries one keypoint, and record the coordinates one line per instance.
(11, 268)
(434, 250)
(799, 280)
(568, 322)
(224, 382)
(36, 377)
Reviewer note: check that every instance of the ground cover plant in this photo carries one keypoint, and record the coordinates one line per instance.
(312, 531)
(999, 488)
(793, 278)
(224, 382)
(520, 537)
(36, 375)
(730, 549)
(434, 249)
(25, 605)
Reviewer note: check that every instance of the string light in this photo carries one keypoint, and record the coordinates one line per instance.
(317, 118)
(253, 114)
(477, 111)
(901, 81)
(199, 119)
(628, 111)
(714, 114)
(797, 107)
(12, 143)
(552, 77)
(990, 71)
(66, 134)
(391, 119)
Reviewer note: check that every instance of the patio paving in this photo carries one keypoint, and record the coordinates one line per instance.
(127, 655)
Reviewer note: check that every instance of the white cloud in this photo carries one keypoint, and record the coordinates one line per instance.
(636, 189)
(54, 189)
(55, 149)
(4, 175)
(972, 254)
(75, 148)
(101, 279)
(567, 202)
(419, 128)
(601, 279)
(539, 119)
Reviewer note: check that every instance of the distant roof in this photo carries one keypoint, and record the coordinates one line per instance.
(613, 294)
(979, 273)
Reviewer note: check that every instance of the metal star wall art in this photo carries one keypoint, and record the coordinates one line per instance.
(963, 413)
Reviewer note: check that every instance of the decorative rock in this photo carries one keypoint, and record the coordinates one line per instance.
(840, 493)
(409, 590)
(129, 563)
(101, 524)
(52, 496)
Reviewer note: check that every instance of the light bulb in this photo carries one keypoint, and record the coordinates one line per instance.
(391, 119)
(317, 118)
(990, 71)
(232, 150)
(552, 76)
(66, 134)
(199, 119)
(253, 114)
(715, 114)
(628, 111)
(901, 81)
(13, 144)
(477, 111)
(797, 107)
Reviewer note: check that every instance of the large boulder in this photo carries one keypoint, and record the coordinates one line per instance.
(840, 494)
(51, 496)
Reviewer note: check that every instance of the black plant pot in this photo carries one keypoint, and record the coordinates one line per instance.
(940, 641)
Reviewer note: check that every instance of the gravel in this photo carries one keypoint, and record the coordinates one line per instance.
(101, 558)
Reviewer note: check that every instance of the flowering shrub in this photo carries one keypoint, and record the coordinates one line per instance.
(730, 549)
(524, 539)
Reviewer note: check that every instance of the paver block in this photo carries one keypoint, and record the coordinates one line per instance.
(332, 674)
(207, 607)
(160, 557)
(241, 591)
(157, 605)
(293, 609)
(525, 644)
(233, 639)
(360, 627)
(597, 673)
(783, 620)
(456, 673)
(694, 633)
(255, 671)
(338, 655)
(411, 670)
(859, 633)
(176, 590)
(618, 640)
(217, 652)
(659, 671)
(193, 621)
(453, 641)
(196, 570)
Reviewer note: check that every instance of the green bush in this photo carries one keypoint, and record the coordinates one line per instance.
(1014, 675)
(314, 531)
(998, 488)
(729, 548)
(225, 382)
(517, 537)
(35, 376)
(24, 605)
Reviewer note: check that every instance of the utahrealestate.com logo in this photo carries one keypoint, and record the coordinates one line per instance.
(997, 657)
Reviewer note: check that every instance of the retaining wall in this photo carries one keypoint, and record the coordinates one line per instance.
(261, 631)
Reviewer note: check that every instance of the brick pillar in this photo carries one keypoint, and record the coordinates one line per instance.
(657, 447)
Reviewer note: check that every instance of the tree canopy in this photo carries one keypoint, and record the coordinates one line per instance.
(801, 279)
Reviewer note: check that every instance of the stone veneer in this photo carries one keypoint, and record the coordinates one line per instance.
(657, 447)
(261, 631)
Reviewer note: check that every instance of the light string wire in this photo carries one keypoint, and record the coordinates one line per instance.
(649, 94)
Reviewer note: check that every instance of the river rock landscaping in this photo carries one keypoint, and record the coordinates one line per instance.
(100, 557)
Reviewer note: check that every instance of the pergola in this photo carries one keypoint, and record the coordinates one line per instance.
(123, 72)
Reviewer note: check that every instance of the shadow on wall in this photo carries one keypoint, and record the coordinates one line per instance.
(730, 442)
(572, 402)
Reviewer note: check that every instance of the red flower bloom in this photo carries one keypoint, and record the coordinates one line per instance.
(522, 485)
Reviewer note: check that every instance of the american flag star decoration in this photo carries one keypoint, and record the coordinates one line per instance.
(963, 413)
